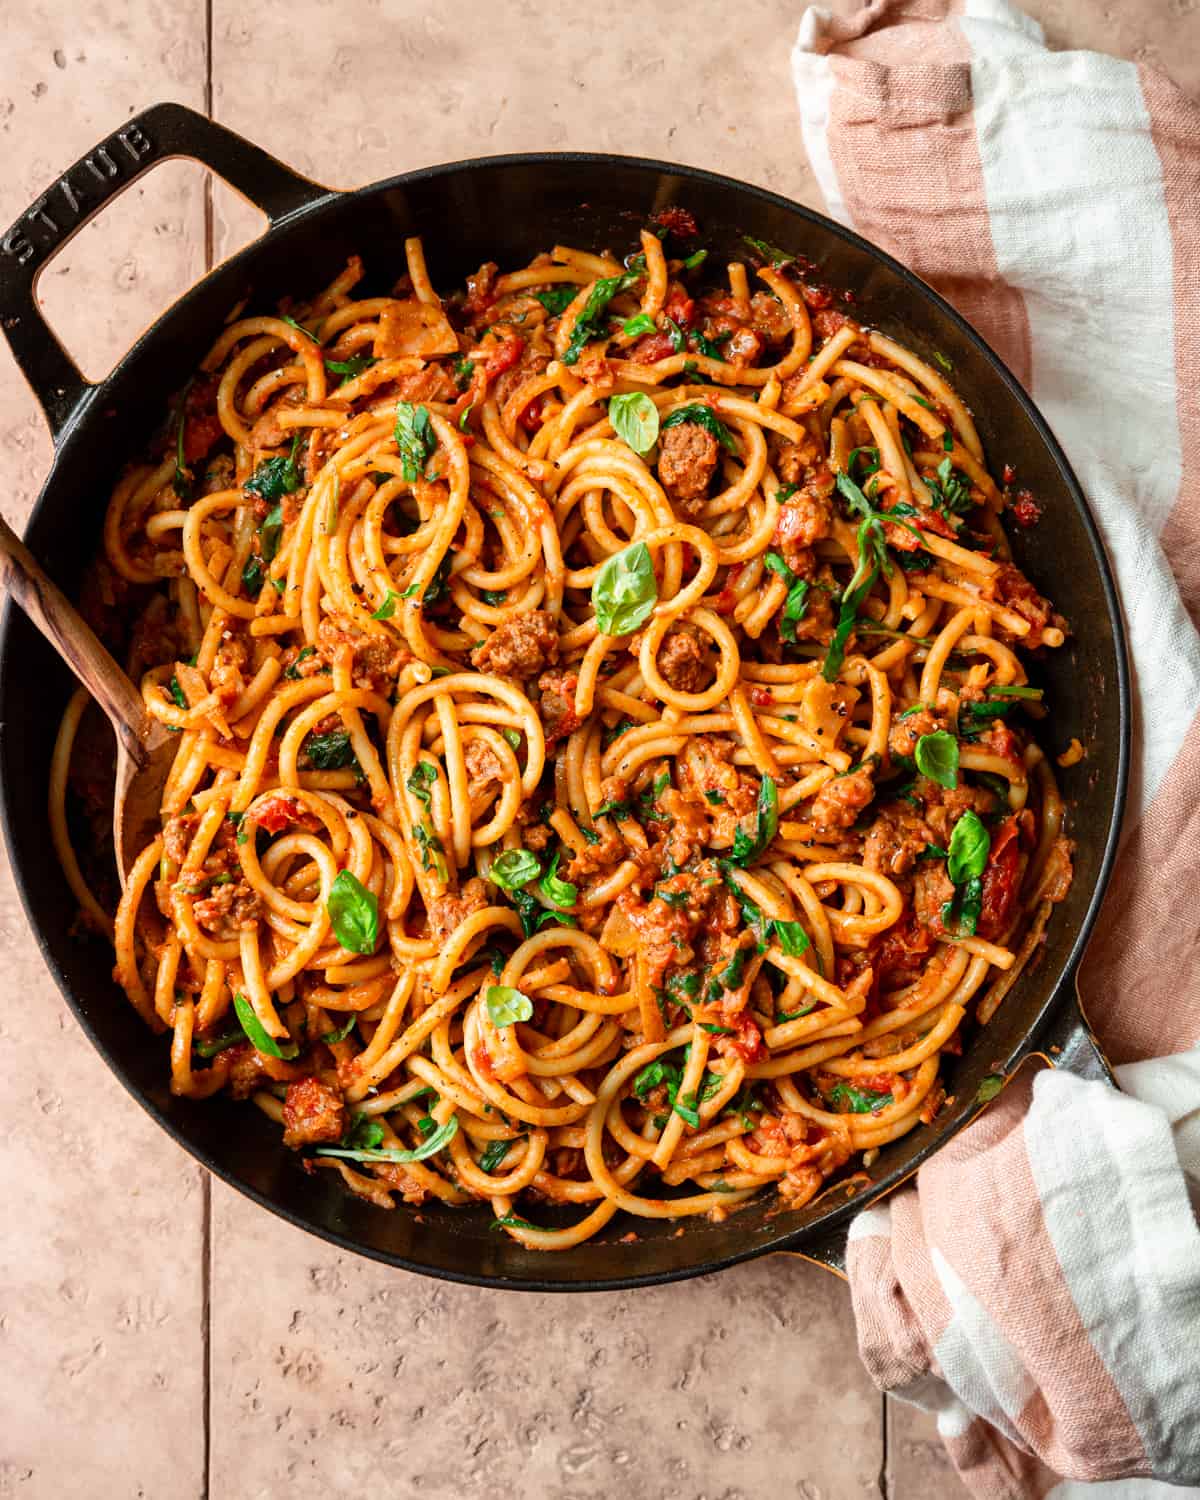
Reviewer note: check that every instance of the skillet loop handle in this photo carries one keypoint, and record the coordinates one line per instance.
(1070, 1043)
(158, 134)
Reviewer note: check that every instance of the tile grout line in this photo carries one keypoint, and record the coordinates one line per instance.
(206, 1179)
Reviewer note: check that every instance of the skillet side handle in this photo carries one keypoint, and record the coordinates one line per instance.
(158, 134)
(1070, 1043)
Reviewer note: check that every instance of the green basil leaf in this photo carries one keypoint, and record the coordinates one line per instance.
(937, 758)
(494, 1153)
(353, 913)
(587, 323)
(701, 415)
(177, 693)
(506, 1005)
(561, 894)
(388, 608)
(970, 844)
(857, 1101)
(212, 1045)
(635, 420)
(421, 778)
(990, 1087)
(695, 260)
(300, 328)
(257, 1035)
(252, 575)
(625, 591)
(847, 617)
(513, 736)
(688, 1109)
(558, 298)
(514, 868)
(329, 752)
(415, 438)
(512, 1221)
(641, 323)
(770, 253)
(792, 937)
(776, 564)
(340, 1034)
(364, 1133)
(274, 478)
(745, 848)
(430, 1147)
(351, 367)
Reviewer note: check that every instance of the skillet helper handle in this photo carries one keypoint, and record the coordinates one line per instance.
(158, 134)
(1069, 1042)
(73, 638)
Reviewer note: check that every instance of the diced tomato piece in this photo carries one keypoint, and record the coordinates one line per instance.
(1008, 473)
(281, 811)
(504, 356)
(1026, 512)
(651, 348)
(748, 1043)
(827, 320)
(818, 297)
(677, 221)
(1000, 881)
(679, 307)
(761, 697)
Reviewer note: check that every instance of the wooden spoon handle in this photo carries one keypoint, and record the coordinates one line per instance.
(74, 640)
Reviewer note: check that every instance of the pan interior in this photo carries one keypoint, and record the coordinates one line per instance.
(507, 210)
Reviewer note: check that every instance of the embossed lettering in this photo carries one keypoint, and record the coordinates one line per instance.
(72, 194)
(15, 244)
(38, 211)
(101, 165)
(135, 141)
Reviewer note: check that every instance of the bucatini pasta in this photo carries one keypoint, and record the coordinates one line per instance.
(601, 779)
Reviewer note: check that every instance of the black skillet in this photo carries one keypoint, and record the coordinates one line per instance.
(506, 209)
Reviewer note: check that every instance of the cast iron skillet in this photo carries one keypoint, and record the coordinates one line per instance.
(507, 208)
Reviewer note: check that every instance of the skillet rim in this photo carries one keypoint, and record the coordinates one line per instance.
(832, 1224)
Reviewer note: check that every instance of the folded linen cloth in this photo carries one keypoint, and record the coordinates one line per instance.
(1039, 1287)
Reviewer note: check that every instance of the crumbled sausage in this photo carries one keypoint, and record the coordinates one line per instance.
(376, 660)
(447, 913)
(683, 658)
(313, 1113)
(687, 460)
(557, 704)
(895, 841)
(520, 647)
(483, 767)
(839, 802)
(228, 909)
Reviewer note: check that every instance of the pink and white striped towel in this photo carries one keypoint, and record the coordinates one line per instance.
(1039, 1288)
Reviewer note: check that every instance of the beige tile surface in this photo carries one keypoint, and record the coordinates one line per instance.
(331, 1375)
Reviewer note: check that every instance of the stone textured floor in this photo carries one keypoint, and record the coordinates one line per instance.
(160, 1337)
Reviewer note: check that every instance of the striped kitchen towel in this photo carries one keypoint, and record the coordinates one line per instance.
(1039, 1287)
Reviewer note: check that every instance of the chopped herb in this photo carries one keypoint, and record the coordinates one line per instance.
(415, 438)
(512, 1221)
(257, 1033)
(420, 778)
(792, 937)
(558, 298)
(513, 736)
(364, 1134)
(305, 652)
(274, 478)
(694, 260)
(352, 367)
(990, 1087)
(852, 1101)
(300, 328)
(770, 253)
(587, 322)
(561, 894)
(641, 323)
(951, 492)
(329, 752)
(340, 1035)
(746, 848)
(252, 575)
(716, 798)
(970, 844)
(429, 1147)
(494, 1153)
(941, 359)
(701, 415)
(494, 597)
(177, 693)
(388, 608)
(212, 1045)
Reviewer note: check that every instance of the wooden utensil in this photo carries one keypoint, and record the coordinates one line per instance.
(145, 748)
